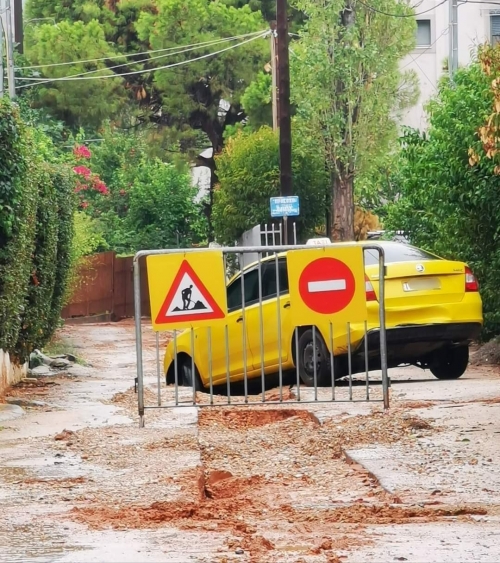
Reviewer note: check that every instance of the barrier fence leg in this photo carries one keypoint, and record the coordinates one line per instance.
(158, 371)
(138, 341)
(383, 333)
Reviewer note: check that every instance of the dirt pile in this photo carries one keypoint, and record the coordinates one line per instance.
(488, 354)
(244, 419)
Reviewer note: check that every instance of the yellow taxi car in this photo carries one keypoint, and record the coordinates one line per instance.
(433, 312)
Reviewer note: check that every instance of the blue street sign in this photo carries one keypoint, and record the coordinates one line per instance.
(285, 206)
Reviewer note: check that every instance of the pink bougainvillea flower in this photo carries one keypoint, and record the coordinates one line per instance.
(79, 187)
(82, 171)
(100, 186)
(84, 204)
(82, 151)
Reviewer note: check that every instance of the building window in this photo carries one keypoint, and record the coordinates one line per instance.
(423, 33)
(495, 28)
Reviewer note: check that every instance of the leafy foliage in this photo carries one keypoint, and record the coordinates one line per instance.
(178, 101)
(35, 234)
(161, 213)
(256, 101)
(348, 89)
(77, 102)
(18, 203)
(38, 302)
(447, 205)
(135, 201)
(248, 170)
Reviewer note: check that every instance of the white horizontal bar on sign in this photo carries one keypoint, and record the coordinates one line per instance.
(327, 285)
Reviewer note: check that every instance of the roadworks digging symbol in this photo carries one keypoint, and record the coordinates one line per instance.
(188, 300)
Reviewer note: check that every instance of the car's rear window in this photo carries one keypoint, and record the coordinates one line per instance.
(398, 253)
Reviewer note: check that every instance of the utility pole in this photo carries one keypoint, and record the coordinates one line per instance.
(285, 124)
(274, 75)
(18, 25)
(453, 54)
(7, 23)
(1, 46)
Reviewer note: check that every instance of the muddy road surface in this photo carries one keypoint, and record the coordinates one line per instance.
(80, 482)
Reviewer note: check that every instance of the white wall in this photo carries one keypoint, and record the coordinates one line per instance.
(428, 62)
(10, 373)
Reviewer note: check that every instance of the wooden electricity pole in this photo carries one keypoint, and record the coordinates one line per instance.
(284, 120)
(274, 75)
(18, 25)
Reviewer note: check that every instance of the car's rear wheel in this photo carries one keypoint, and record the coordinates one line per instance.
(188, 378)
(450, 363)
(307, 356)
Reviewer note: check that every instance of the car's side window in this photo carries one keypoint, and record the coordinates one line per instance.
(269, 282)
(234, 295)
(251, 281)
(251, 288)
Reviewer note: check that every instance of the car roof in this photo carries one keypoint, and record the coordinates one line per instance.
(284, 253)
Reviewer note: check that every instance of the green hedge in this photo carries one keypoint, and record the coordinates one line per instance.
(64, 182)
(18, 204)
(36, 231)
(38, 301)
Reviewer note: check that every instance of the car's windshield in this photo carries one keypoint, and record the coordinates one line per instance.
(398, 253)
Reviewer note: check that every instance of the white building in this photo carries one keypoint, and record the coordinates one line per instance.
(478, 22)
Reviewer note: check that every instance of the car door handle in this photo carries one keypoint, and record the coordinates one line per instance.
(286, 305)
(239, 320)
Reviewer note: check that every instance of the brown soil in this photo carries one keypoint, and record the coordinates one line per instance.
(65, 435)
(417, 404)
(224, 515)
(488, 354)
(243, 419)
(65, 481)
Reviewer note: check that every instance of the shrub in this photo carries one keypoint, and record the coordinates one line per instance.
(38, 303)
(64, 183)
(248, 170)
(18, 205)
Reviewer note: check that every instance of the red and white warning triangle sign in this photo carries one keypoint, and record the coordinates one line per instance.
(188, 300)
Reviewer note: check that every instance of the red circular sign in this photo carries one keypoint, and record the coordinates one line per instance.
(327, 286)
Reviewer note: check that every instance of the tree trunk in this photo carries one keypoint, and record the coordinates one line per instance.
(342, 210)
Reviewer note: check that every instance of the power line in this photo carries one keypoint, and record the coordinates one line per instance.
(401, 15)
(413, 60)
(170, 54)
(125, 55)
(39, 81)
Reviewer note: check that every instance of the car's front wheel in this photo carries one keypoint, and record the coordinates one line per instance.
(188, 377)
(450, 363)
(308, 355)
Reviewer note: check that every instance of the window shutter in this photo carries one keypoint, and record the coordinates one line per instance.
(495, 28)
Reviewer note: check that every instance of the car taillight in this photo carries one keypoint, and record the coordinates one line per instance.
(471, 283)
(370, 292)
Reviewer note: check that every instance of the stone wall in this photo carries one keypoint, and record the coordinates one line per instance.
(10, 373)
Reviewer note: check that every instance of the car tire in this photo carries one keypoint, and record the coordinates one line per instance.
(305, 359)
(450, 363)
(187, 377)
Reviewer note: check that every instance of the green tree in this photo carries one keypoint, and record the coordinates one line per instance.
(348, 89)
(183, 99)
(161, 212)
(248, 169)
(445, 204)
(256, 101)
(77, 102)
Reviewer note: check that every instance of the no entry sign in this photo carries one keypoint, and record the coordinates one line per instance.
(327, 284)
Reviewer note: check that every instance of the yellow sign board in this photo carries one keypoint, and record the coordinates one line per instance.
(327, 283)
(186, 289)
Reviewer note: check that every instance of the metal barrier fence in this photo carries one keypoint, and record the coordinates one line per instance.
(267, 338)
